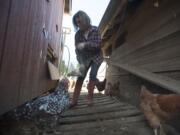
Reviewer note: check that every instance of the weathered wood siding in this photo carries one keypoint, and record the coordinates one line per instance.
(23, 48)
(151, 42)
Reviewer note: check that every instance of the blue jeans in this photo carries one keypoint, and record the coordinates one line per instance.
(93, 72)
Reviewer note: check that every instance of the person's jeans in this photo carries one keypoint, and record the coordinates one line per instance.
(93, 72)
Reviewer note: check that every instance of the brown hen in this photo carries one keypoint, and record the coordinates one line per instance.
(159, 108)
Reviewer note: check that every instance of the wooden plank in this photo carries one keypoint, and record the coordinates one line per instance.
(11, 69)
(27, 79)
(47, 83)
(101, 101)
(95, 96)
(100, 116)
(118, 30)
(98, 123)
(148, 19)
(5, 8)
(84, 98)
(31, 51)
(160, 22)
(128, 48)
(95, 104)
(159, 56)
(149, 24)
(95, 100)
(54, 72)
(112, 9)
(163, 81)
(138, 128)
(37, 47)
(96, 109)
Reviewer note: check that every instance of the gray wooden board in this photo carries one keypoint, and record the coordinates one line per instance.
(163, 81)
(107, 117)
(97, 104)
(100, 116)
(95, 99)
(96, 95)
(92, 110)
(99, 123)
(138, 128)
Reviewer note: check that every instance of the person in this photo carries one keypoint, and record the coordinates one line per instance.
(89, 54)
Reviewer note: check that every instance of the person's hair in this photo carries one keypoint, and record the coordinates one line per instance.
(85, 18)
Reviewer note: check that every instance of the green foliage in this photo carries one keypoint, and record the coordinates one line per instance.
(62, 68)
(71, 67)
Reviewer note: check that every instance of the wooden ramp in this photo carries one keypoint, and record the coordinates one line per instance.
(108, 116)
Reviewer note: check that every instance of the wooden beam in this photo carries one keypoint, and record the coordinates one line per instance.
(163, 81)
(53, 70)
(108, 21)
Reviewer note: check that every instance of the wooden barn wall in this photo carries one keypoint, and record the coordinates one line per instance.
(152, 43)
(23, 48)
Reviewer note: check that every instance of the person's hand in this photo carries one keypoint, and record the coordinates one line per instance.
(81, 45)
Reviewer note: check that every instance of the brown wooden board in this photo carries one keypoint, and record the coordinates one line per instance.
(23, 48)
(5, 7)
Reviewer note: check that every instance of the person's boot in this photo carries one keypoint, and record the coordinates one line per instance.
(76, 93)
(100, 85)
(90, 88)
